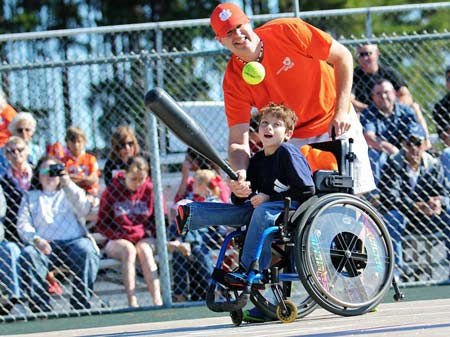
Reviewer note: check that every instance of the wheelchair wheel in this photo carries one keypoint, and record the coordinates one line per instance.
(237, 317)
(344, 254)
(292, 288)
(289, 315)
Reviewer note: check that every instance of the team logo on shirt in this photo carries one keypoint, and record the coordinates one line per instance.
(225, 14)
(287, 64)
(279, 187)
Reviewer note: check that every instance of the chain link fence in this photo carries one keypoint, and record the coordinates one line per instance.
(96, 79)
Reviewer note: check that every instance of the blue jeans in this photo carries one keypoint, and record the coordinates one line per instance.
(204, 214)
(78, 255)
(9, 269)
(377, 161)
(191, 274)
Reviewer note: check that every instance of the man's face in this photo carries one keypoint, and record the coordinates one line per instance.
(383, 96)
(368, 56)
(241, 40)
(414, 149)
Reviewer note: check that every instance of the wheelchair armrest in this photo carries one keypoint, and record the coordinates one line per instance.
(332, 181)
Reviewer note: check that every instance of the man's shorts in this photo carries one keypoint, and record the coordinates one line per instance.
(362, 172)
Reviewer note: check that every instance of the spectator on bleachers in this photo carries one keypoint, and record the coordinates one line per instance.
(124, 146)
(414, 193)
(441, 116)
(7, 113)
(405, 97)
(15, 181)
(191, 273)
(24, 125)
(51, 223)
(368, 72)
(383, 122)
(126, 219)
(81, 166)
(9, 266)
(192, 163)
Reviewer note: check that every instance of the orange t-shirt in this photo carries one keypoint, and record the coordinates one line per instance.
(84, 165)
(6, 116)
(297, 75)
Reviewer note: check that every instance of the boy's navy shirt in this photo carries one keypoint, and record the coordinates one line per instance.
(285, 173)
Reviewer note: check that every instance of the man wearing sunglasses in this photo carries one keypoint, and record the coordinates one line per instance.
(414, 191)
(368, 71)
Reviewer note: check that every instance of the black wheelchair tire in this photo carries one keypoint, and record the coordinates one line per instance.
(305, 267)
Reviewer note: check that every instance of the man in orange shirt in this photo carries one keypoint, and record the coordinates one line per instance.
(297, 58)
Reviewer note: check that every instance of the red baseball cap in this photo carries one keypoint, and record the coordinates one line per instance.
(225, 17)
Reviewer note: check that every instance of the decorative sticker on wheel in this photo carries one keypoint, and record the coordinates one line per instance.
(321, 272)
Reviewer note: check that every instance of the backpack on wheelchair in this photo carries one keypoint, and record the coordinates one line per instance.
(333, 251)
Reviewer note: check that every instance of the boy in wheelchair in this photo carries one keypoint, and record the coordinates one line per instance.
(278, 171)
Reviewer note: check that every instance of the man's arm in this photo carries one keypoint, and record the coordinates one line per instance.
(342, 61)
(380, 145)
(239, 155)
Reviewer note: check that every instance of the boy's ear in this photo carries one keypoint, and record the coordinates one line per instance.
(289, 134)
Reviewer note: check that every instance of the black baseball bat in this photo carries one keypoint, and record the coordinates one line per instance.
(165, 108)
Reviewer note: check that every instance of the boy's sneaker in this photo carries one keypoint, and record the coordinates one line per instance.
(254, 315)
(182, 217)
(236, 279)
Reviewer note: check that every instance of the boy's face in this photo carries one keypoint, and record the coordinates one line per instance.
(272, 132)
(75, 145)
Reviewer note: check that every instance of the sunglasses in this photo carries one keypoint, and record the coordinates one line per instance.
(20, 130)
(365, 53)
(124, 145)
(15, 150)
(415, 141)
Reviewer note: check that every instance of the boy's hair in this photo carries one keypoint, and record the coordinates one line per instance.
(137, 164)
(279, 111)
(73, 133)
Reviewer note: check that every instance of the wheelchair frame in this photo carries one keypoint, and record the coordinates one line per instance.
(345, 256)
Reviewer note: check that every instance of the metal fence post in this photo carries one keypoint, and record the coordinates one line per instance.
(152, 143)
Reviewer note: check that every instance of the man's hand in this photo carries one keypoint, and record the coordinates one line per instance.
(241, 187)
(43, 246)
(431, 207)
(341, 122)
(259, 199)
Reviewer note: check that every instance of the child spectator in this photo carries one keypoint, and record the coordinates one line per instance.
(191, 272)
(51, 223)
(192, 163)
(126, 219)
(81, 166)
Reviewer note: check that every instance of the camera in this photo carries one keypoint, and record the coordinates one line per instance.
(55, 170)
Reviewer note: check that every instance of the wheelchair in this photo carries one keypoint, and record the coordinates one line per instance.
(333, 251)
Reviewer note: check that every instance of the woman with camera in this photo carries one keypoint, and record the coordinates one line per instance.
(51, 223)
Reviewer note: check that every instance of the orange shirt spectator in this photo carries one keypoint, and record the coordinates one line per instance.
(81, 166)
(6, 116)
